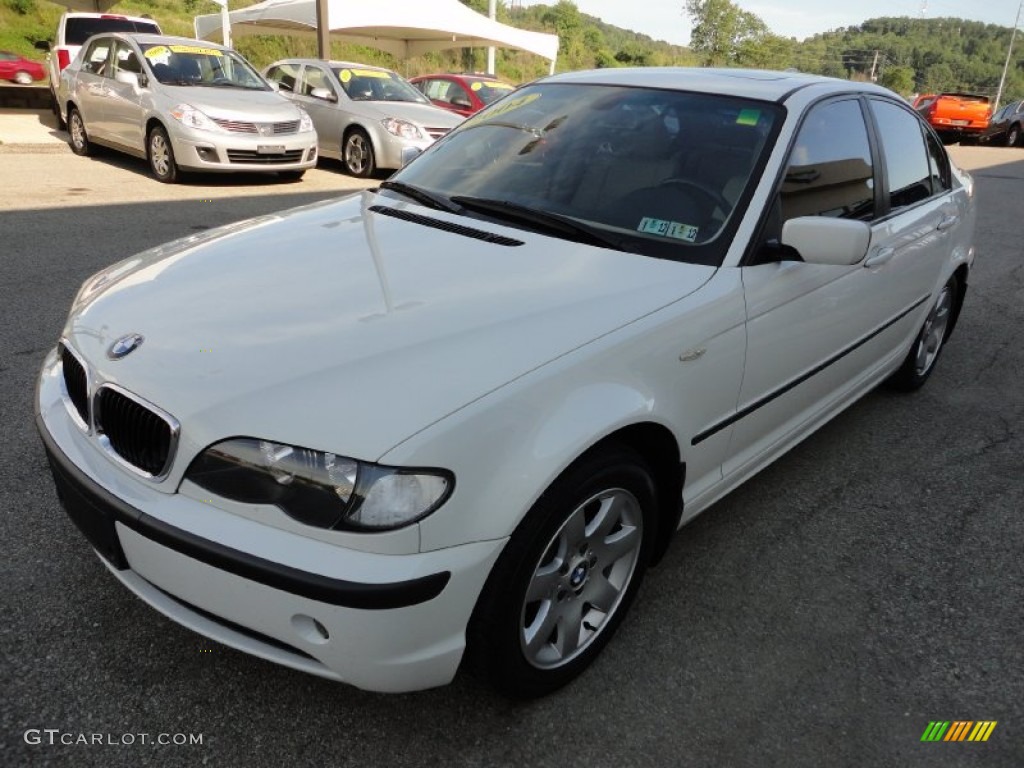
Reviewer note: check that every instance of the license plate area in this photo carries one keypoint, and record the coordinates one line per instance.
(95, 523)
(270, 149)
(961, 122)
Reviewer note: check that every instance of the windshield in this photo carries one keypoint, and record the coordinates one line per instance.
(199, 65)
(657, 172)
(377, 85)
(78, 29)
(490, 91)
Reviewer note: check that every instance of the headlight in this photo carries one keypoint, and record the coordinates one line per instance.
(401, 128)
(191, 117)
(305, 121)
(317, 488)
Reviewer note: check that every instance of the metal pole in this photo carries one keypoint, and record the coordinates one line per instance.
(492, 11)
(323, 31)
(1009, 55)
(225, 23)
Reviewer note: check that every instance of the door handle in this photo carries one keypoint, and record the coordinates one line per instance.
(880, 257)
(947, 221)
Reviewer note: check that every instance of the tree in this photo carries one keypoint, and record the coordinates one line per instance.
(723, 33)
(899, 79)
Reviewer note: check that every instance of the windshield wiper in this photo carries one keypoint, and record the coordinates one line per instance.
(546, 221)
(420, 195)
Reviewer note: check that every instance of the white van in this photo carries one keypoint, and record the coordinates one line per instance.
(75, 28)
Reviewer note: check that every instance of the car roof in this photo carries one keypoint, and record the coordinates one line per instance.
(334, 63)
(768, 85)
(145, 38)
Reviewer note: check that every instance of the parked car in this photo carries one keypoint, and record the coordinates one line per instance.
(455, 418)
(18, 69)
(74, 29)
(365, 116)
(1007, 125)
(956, 116)
(183, 105)
(463, 94)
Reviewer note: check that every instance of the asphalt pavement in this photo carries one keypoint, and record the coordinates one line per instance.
(822, 615)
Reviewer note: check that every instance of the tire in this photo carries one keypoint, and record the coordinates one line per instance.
(78, 138)
(161, 156)
(1013, 136)
(357, 154)
(290, 175)
(21, 77)
(588, 538)
(924, 352)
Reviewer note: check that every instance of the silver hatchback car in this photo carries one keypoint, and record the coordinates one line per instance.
(364, 115)
(182, 105)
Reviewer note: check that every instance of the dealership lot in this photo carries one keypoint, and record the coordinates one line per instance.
(822, 615)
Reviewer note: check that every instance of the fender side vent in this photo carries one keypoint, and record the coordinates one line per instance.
(455, 229)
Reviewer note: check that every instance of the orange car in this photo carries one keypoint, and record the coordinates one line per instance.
(955, 116)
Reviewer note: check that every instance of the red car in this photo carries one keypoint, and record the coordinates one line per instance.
(463, 94)
(18, 69)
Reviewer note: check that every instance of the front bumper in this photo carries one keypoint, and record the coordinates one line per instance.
(208, 151)
(380, 622)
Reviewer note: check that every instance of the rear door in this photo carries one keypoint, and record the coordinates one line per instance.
(125, 109)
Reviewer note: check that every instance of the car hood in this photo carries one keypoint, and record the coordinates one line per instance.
(426, 115)
(337, 328)
(232, 103)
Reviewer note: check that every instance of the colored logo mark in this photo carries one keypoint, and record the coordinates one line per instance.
(958, 730)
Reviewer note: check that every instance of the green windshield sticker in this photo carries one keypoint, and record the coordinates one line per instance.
(748, 117)
(672, 229)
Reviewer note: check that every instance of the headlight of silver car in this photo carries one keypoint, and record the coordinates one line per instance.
(191, 117)
(305, 121)
(401, 128)
(318, 488)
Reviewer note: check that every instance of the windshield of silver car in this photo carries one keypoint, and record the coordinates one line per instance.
(652, 171)
(200, 65)
(365, 84)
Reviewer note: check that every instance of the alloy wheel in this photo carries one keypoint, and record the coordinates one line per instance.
(934, 332)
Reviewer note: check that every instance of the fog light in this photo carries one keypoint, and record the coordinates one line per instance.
(207, 154)
(311, 154)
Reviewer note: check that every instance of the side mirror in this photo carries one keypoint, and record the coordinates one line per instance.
(323, 94)
(409, 154)
(42, 45)
(274, 85)
(823, 240)
(128, 78)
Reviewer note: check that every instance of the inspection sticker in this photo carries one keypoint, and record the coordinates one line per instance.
(671, 229)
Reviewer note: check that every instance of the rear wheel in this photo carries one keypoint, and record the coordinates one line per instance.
(77, 136)
(567, 576)
(161, 156)
(22, 78)
(924, 352)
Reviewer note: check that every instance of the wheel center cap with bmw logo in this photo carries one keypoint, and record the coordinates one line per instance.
(578, 576)
(125, 346)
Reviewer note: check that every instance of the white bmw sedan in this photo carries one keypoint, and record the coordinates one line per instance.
(455, 418)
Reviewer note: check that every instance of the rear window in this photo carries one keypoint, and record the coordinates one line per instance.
(78, 29)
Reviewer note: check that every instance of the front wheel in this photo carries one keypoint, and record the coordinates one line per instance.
(22, 78)
(1013, 136)
(161, 156)
(358, 154)
(924, 352)
(567, 576)
(77, 137)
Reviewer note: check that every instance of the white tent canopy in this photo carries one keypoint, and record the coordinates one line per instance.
(403, 28)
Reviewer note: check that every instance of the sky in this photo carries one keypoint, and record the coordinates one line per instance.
(666, 20)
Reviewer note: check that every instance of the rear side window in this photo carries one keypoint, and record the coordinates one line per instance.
(78, 29)
(907, 166)
(830, 171)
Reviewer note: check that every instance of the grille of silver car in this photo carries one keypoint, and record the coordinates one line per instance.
(137, 434)
(75, 382)
(437, 133)
(250, 156)
(267, 129)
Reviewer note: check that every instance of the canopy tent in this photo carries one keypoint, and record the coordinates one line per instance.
(403, 28)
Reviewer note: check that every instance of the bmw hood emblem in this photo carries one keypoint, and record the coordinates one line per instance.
(125, 346)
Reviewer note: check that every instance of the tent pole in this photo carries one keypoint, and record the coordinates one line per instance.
(492, 11)
(323, 31)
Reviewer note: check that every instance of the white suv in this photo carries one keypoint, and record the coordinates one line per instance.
(73, 29)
